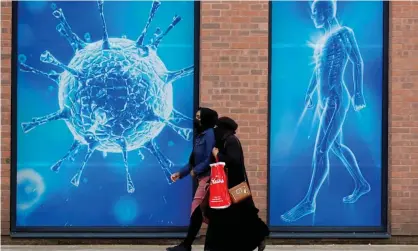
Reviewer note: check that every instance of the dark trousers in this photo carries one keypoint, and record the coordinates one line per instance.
(196, 221)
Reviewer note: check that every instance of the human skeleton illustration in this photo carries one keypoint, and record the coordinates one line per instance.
(332, 53)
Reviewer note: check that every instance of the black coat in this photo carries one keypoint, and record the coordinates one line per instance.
(230, 152)
(237, 227)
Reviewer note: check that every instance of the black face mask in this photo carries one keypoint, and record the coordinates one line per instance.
(196, 124)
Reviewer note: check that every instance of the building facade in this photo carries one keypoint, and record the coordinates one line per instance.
(234, 80)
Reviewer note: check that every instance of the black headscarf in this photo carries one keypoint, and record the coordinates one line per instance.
(225, 127)
(208, 119)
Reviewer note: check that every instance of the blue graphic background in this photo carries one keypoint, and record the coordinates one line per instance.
(101, 199)
(292, 148)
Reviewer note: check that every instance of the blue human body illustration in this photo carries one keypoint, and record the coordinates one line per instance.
(333, 51)
(115, 95)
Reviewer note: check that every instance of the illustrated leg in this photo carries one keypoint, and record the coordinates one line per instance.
(329, 127)
(347, 157)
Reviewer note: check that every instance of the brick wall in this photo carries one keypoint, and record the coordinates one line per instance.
(6, 49)
(403, 135)
(234, 57)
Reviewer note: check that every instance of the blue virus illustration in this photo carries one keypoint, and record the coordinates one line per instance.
(115, 95)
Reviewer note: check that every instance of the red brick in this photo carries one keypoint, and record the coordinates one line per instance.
(403, 120)
(6, 42)
(242, 41)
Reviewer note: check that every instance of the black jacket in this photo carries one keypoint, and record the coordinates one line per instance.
(230, 152)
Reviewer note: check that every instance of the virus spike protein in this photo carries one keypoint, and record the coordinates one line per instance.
(28, 126)
(178, 117)
(185, 133)
(176, 20)
(175, 75)
(130, 188)
(174, 122)
(76, 179)
(106, 44)
(165, 163)
(51, 75)
(48, 58)
(71, 152)
(65, 30)
(154, 8)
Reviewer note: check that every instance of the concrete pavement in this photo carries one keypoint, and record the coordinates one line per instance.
(200, 248)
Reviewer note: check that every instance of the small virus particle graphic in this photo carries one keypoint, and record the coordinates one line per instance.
(115, 95)
(31, 188)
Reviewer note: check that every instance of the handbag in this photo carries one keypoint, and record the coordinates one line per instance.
(241, 191)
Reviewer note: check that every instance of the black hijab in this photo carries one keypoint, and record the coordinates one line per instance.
(224, 128)
(208, 119)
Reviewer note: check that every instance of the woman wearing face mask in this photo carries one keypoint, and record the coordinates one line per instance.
(237, 228)
(198, 167)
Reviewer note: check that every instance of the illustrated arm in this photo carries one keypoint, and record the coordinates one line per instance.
(312, 84)
(232, 153)
(210, 144)
(357, 61)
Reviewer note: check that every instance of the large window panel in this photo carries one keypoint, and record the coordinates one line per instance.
(104, 93)
(328, 116)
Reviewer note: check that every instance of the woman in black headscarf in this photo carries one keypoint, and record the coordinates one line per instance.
(199, 168)
(237, 228)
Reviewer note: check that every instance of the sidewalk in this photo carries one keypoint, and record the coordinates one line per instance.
(200, 248)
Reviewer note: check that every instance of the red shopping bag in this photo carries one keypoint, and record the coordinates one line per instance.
(218, 190)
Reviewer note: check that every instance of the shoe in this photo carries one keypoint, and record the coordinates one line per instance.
(179, 248)
(262, 246)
